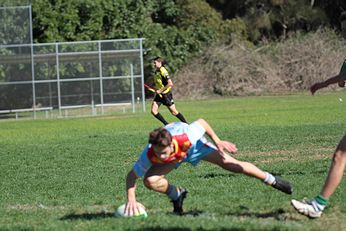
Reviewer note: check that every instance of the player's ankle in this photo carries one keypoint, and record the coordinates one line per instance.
(321, 200)
(173, 192)
(269, 178)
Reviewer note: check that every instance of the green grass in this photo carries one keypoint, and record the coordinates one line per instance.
(68, 174)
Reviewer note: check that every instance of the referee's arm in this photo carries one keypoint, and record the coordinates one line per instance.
(169, 85)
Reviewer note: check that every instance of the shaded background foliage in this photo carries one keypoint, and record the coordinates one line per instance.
(180, 30)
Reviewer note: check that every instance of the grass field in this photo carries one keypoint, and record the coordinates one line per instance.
(68, 174)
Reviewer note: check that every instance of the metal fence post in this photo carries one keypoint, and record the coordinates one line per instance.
(132, 88)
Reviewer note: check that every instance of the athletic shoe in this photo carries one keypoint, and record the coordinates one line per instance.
(178, 203)
(282, 185)
(308, 208)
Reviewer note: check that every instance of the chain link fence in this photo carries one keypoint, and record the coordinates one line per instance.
(69, 78)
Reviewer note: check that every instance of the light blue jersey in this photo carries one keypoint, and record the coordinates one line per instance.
(182, 134)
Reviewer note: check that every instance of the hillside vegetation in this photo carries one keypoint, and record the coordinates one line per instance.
(240, 68)
(220, 47)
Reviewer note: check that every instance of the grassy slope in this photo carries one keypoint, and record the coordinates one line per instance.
(69, 174)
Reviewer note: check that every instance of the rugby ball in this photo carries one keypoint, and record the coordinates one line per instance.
(120, 212)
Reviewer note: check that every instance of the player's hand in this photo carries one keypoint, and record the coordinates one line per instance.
(316, 86)
(223, 146)
(132, 208)
(158, 91)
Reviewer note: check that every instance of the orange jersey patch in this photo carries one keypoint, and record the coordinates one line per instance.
(181, 144)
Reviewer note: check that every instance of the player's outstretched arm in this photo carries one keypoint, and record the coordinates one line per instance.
(222, 145)
(340, 79)
(132, 206)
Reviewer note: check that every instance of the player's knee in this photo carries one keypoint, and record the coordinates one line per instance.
(174, 113)
(151, 182)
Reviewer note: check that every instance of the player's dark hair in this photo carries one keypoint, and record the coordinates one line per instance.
(161, 60)
(160, 137)
(342, 16)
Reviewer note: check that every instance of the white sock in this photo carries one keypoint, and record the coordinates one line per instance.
(270, 179)
(317, 206)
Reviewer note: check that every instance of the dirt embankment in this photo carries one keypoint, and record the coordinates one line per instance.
(274, 68)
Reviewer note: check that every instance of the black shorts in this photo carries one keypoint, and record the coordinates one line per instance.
(342, 144)
(166, 99)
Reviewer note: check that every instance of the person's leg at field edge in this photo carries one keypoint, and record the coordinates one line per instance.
(155, 180)
(231, 164)
(336, 170)
(155, 112)
(314, 208)
(174, 112)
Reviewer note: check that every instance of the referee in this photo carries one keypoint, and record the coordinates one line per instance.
(163, 86)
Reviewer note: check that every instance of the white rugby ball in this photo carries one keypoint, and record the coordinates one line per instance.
(120, 212)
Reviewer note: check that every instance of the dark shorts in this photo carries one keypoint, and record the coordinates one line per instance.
(342, 144)
(166, 99)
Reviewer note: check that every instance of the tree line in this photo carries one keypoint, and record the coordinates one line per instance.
(178, 29)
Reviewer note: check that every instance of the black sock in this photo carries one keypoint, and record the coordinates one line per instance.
(173, 192)
(181, 117)
(160, 117)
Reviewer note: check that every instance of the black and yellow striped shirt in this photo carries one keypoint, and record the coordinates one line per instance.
(161, 78)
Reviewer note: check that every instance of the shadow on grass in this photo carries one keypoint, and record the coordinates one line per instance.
(191, 213)
(102, 215)
(230, 174)
(157, 228)
(214, 175)
(321, 171)
(277, 214)
(87, 216)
